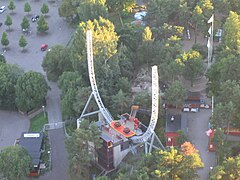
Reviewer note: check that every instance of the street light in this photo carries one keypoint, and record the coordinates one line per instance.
(44, 113)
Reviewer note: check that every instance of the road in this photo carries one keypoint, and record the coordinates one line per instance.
(197, 127)
(31, 60)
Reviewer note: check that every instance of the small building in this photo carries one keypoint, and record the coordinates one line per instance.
(173, 124)
(32, 142)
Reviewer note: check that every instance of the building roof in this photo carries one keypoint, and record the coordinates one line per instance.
(171, 138)
(173, 122)
(32, 142)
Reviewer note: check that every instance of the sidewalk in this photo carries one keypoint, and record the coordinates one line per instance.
(198, 125)
(198, 122)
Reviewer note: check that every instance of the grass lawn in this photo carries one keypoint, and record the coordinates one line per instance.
(36, 123)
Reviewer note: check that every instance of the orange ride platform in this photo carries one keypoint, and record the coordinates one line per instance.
(123, 130)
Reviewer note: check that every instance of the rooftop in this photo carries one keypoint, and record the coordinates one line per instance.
(173, 122)
(32, 142)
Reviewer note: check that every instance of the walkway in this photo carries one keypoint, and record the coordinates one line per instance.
(198, 122)
(198, 125)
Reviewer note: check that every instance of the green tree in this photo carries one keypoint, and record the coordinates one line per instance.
(25, 23)
(2, 59)
(86, 138)
(176, 94)
(223, 115)
(15, 163)
(8, 21)
(228, 170)
(31, 90)
(104, 44)
(169, 164)
(143, 99)
(44, 9)
(56, 62)
(146, 49)
(11, 6)
(9, 75)
(67, 10)
(193, 64)
(72, 87)
(42, 24)
(117, 7)
(232, 33)
(162, 11)
(90, 10)
(22, 42)
(120, 102)
(124, 84)
(27, 8)
(220, 144)
(4, 39)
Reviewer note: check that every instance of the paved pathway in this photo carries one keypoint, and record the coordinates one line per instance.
(198, 122)
(12, 124)
(59, 157)
(198, 125)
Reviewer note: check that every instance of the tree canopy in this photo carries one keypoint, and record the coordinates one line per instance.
(9, 75)
(56, 62)
(15, 163)
(8, 21)
(169, 164)
(4, 39)
(22, 42)
(176, 94)
(42, 25)
(27, 7)
(228, 170)
(81, 148)
(31, 90)
(25, 23)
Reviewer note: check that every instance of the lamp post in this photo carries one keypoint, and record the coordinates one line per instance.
(44, 113)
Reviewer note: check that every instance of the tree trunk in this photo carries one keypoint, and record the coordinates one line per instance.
(195, 32)
(120, 18)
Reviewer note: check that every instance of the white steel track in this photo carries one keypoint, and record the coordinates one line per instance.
(154, 114)
(108, 117)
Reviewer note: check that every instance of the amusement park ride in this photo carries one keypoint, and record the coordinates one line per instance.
(126, 134)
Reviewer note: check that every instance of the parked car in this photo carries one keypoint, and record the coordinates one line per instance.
(194, 110)
(1, 24)
(35, 18)
(140, 15)
(44, 47)
(186, 109)
(2, 9)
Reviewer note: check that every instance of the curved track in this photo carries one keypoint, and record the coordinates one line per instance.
(103, 110)
(154, 113)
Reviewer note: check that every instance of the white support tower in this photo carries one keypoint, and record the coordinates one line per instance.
(106, 114)
(149, 136)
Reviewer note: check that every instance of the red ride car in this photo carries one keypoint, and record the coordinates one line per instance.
(44, 47)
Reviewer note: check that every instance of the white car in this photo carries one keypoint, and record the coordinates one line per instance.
(2, 9)
(194, 110)
(140, 15)
(186, 109)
